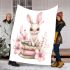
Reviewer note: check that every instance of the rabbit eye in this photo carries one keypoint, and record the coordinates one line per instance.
(31, 29)
(37, 29)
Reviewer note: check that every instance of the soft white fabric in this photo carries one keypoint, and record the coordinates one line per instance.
(33, 36)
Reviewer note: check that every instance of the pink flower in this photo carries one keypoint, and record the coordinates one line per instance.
(18, 47)
(24, 37)
(17, 43)
(21, 37)
(40, 55)
(17, 51)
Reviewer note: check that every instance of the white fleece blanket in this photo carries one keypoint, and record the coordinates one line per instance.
(32, 37)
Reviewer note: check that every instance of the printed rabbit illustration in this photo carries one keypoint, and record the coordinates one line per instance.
(35, 28)
(28, 46)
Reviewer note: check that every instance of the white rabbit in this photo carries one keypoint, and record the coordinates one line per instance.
(35, 28)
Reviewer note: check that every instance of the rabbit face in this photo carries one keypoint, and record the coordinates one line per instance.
(35, 27)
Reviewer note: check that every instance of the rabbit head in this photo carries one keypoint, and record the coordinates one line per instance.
(35, 27)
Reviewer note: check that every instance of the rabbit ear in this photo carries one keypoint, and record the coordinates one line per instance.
(29, 19)
(39, 18)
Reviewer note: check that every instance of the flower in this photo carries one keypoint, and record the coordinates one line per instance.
(22, 37)
(40, 55)
(17, 43)
(18, 46)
